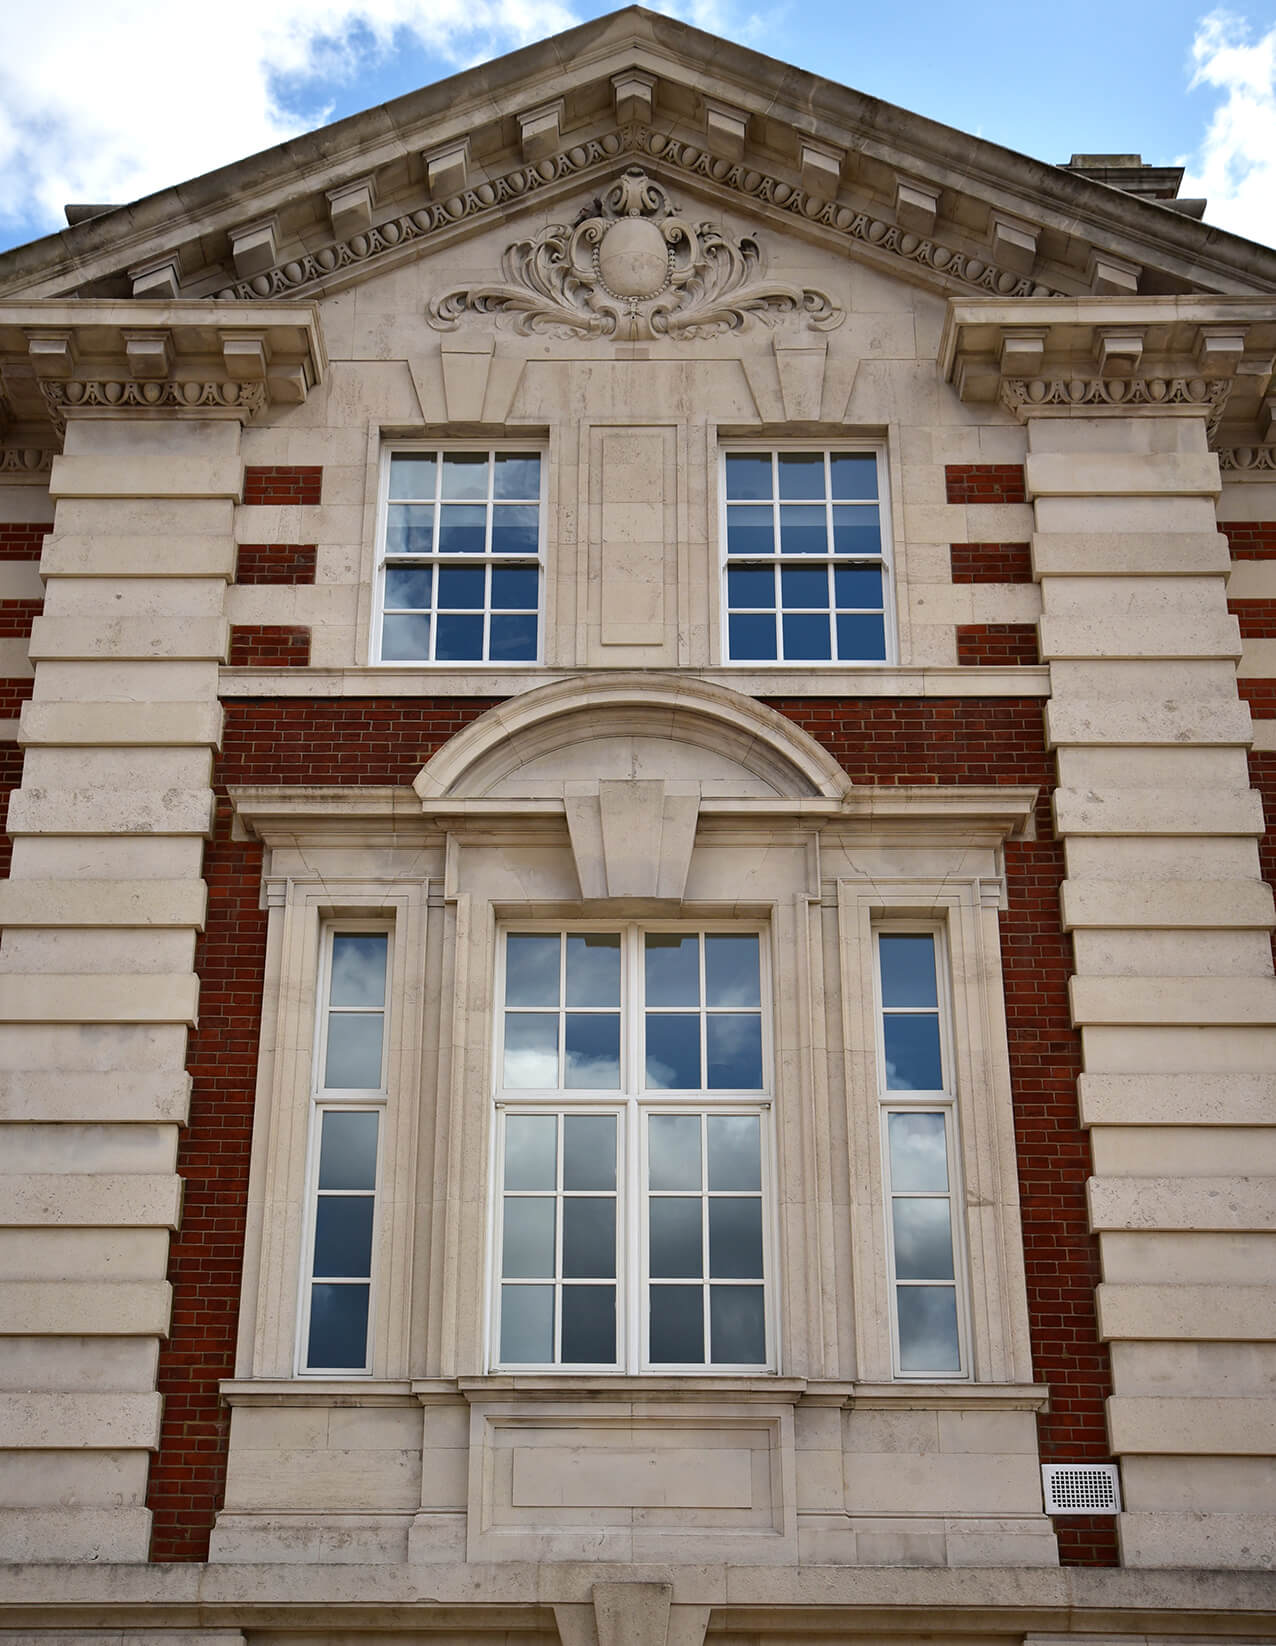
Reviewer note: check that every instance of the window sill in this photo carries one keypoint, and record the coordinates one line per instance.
(691, 1387)
(311, 1390)
(817, 680)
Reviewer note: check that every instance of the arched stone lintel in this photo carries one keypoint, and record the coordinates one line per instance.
(651, 708)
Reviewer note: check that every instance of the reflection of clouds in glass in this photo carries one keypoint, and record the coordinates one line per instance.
(593, 968)
(531, 1151)
(923, 1239)
(919, 1153)
(735, 1160)
(673, 1151)
(531, 969)
(908, 969)
(352, 1057)
(927, 1329)
(911, 1052)
(585, 1072)
(531, 1050)
(672, 965)
(731, 970)
(529, 1069)
(592, 1051)
(734, 1045)
(358, 969)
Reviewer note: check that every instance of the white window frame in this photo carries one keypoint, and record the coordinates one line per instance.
(775, 449)
(440, 449)
(633, 1104)
(943, 1102)
(326, 1100)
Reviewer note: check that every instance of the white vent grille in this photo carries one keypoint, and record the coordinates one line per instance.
(1081, 1488)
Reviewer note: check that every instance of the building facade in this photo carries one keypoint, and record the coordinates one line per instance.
(638, 982)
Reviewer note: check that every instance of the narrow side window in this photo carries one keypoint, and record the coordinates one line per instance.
(918, 1122)
(348, 1098)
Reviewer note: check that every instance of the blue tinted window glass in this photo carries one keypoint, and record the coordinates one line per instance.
(338, 1327)
(858, 587)
(735, 1237)
(805, 586)
(593, 968)
(806, 638)
(527, 1237)
(464, 474)
(803, 529)
(589, 1151)
(591, 1047)
(801, 474)
(854, 474)
(751, 586)
(461, 586)
(518, 474)
(531, 969)
(907, 961)
(348, 1149)
(589, 1325)
(409, 586)
(459, 639)
(751, 637)
(527, 1325)
(673, 1051)
(352, 1056)
(589, 1237)
(671, 962)
(531, 1050)
(531, 1151)
(675, 1238)
(515, 588)
(513, 637)
(412, 474)
(409, 530)
(462, 529)
(749, 475)
(677, 1325)
(750, 531)
(856, 530)
(515, 529)
(405, 639)
(927, 1329)
(343, 1236)
(737, 1325)
(912, 1052)
(861, 637)
(733, 1045)
(731, 976)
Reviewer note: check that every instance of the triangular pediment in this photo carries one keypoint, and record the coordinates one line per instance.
(707, 119)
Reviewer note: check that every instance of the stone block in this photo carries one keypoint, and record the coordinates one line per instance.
(79, 1533)
(107, 1422)
(1174, 1203)
(1199, 1099)
(1176, 1427)
(1209, 1541)
(1130, 554)
(1173, 1000)
(1167, 904)
(1158, 811)
(90, 1200)
(115, 724)
(97, 997)
(183, 474)
(43, 1308)
(1193, 720)
(1116, 474)
(103, 903)
(1151, 1313)
(110, 811)
(129, 637)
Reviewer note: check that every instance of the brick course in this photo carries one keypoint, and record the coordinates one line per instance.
(22, 539)
(996, 643)
(1261, 697)
(269, 646)
(1257, 618)
(985, 483)
(283, 483)
(990, 562)
(275, 563)
(1250, 539)
(17, 616)
(386, 742)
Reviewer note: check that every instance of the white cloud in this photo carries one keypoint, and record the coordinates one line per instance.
(1235, 166)
(111, 102)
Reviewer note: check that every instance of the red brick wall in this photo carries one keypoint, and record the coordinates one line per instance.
(281, 483)
(386, 742)
(985, 483)
(22, 540)
(17, 616)
(1261, 697)
(1250, 539)
(997, 740)
(996, 643)
(275, 563)
(269, 646)
(991, 562)
(1257, 618)
(1262, 774)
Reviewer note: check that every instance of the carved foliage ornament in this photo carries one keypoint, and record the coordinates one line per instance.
(635, 268)
(1025, 395)
(1248, 460)
(92, 394)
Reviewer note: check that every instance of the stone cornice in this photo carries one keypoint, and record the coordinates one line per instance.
(601, 159)
(62, 359)
(1209, 357)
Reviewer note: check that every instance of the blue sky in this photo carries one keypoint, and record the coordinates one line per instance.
(119, 101)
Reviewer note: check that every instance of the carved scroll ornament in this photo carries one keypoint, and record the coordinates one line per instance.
(635, 268)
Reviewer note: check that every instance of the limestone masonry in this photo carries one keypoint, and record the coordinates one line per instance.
(636, 695)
